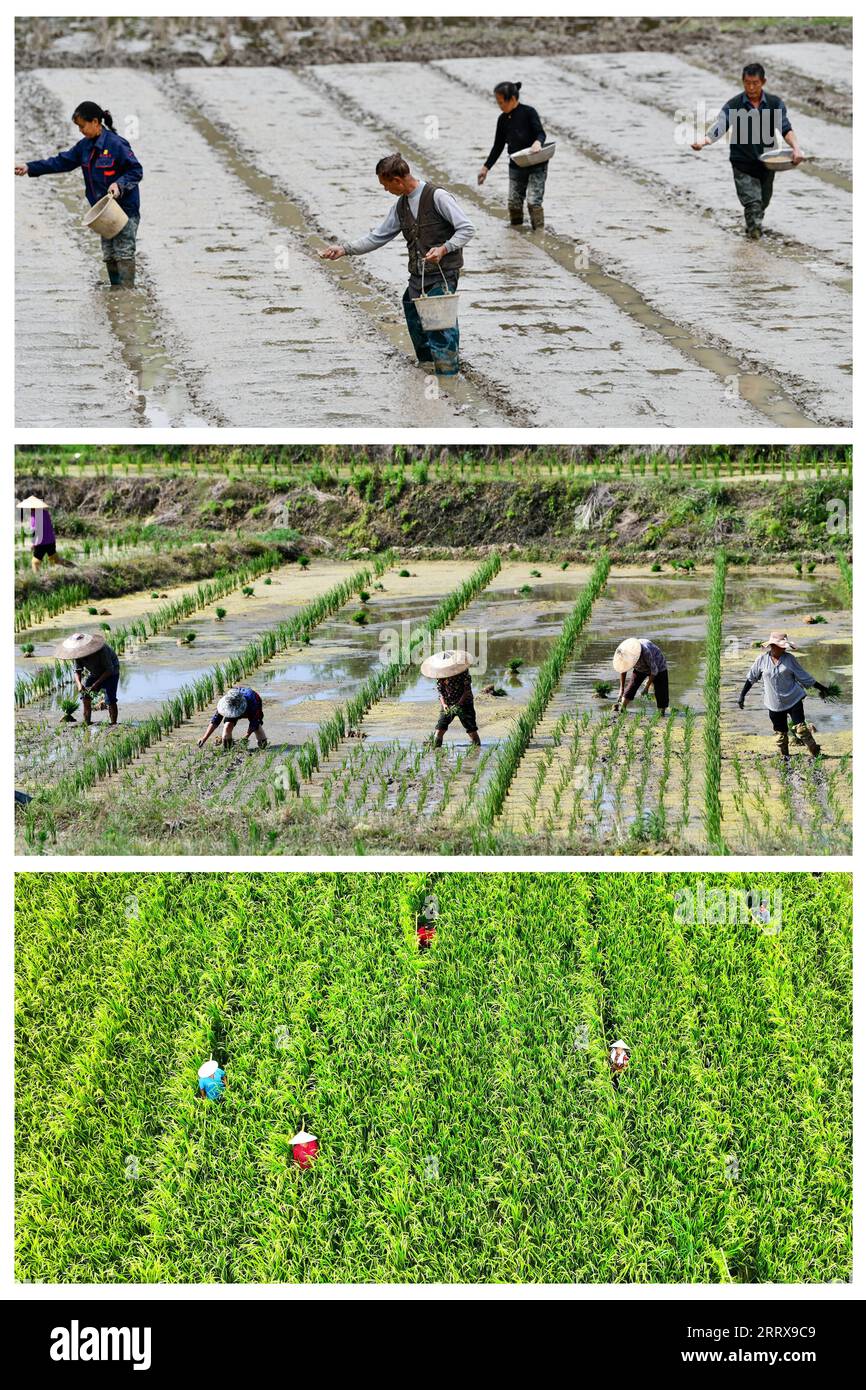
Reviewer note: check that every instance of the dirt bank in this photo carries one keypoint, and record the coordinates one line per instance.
(668, 518)
(147, 571)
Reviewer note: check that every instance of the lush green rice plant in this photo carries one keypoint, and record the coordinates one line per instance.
(712, 702)
(41, 606)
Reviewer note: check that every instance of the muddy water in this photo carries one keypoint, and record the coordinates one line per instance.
(814, 218)
(696, 272)
(157, 669)
(62, 323)
(222, 266)
(545, 341)
(154, 390)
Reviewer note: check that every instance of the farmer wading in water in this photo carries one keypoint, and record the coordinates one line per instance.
(638, 660)
(754, 117)
(109, 167)
(785, 683)
(519, 127)
(450, 670)
(436, 229)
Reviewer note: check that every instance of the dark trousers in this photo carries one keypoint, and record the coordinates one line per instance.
(754, 192)
(779, 717)
(660, 687)
(442, 347)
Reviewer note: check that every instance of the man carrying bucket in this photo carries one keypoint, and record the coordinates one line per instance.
(753, 117)
(110, 169)
(450, 670)
(638, 660)
(436, 229)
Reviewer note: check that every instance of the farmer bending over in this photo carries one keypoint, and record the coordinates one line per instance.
(436, 229)
(109, 167)
(754, 117)
(519, 127)
(638, 660)
(785, 684)
(239, 703)
(96, 668)
(211, 1081)
(450, 670)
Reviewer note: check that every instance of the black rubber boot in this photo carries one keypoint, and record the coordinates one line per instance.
(515, 213)
(126, 272)
(536, 216)
(113, 273)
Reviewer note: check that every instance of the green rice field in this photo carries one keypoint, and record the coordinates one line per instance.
(470, 1128)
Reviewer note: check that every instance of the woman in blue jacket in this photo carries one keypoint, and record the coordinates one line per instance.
(109, 166)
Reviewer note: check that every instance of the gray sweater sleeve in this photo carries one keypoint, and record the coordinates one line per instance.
(378, 236)
(449, 207)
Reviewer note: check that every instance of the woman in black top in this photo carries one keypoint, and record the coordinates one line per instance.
(519, 127)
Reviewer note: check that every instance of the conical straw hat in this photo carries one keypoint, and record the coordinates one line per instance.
(208, 1069)
(627, 654)
(442, 664)
(79, 644)
(780, 639)
(33, 504)
(302, 1137)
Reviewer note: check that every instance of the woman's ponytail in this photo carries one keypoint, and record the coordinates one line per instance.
(89, 111)
(509, 91)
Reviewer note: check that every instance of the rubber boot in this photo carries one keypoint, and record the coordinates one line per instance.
(515, 213)
(536, 216)
(113, 273)
(782, 743)
(804, 733)
(261, 740)
(112, 714)
(126, 273)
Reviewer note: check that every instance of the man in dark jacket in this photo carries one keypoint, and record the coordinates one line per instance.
(436, 229)
(753, 117)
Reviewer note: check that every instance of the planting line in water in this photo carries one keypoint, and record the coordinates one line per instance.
(33, 610)
(712, 703)
(58, 675)
(384, 682)
(549, 675)
(124, 747)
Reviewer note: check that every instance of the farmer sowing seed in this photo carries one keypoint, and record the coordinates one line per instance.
(519, 128)
(96, 668)
(44, 541)
(450, 670)
(436, 229)
(785, 683)
(211, 1081)
(239, 703)
(753, 117)
(638, 660)
(110, 168)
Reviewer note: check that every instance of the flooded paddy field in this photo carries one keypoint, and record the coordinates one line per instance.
(346, 775)
(640, 302)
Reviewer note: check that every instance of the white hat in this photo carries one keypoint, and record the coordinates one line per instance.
(627, 654)
(619, 1043)
(34, 503)
(78, 645)
(780, 639)
(302, 1137)
(208, 1069)
(442, 664)
(232, 705)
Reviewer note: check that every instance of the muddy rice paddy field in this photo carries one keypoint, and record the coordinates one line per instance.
(335, 648)
(640, 303)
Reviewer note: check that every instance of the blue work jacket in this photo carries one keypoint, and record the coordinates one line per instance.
(106, 160)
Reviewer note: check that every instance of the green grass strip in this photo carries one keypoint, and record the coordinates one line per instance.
(46, 605)
(712, 716)
(548, 679)
(846, 570)
(123, 747)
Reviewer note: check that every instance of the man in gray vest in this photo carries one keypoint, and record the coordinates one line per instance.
(436, 229)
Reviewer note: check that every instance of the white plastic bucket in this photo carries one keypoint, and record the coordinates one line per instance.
(106, 217)
(528, 157)
(436, 311)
